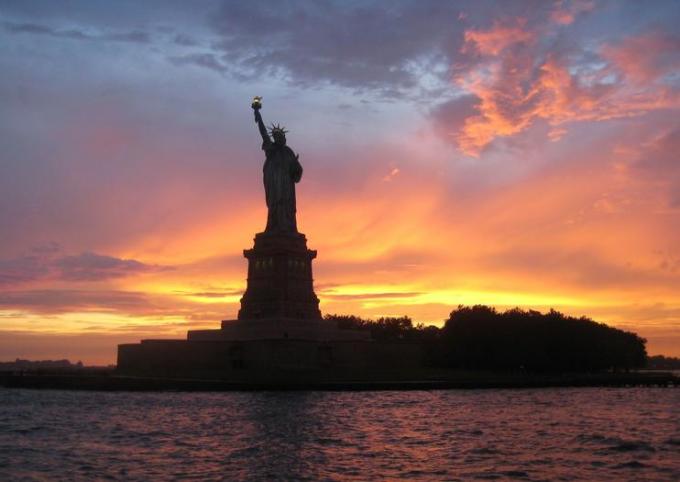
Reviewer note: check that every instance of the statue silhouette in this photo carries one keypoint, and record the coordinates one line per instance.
(281, 171)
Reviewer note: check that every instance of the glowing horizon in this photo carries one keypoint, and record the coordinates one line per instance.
(511, 155)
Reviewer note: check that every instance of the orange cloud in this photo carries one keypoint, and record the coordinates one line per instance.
(501, 36)
(516, 84)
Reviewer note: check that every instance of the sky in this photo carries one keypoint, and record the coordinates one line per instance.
(509, 153)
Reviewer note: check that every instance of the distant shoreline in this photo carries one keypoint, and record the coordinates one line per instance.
(482, 381)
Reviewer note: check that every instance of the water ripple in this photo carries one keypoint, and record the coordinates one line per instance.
(548, 434)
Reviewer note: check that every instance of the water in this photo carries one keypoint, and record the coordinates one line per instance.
(543, 434)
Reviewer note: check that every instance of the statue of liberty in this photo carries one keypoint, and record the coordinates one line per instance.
(281, 171)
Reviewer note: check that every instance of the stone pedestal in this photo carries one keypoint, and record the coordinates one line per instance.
(279, 301)
(279, 332)
(280, 281)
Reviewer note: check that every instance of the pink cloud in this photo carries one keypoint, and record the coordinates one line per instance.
(645, 58)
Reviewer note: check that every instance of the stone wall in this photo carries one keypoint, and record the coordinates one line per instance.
(276, 359)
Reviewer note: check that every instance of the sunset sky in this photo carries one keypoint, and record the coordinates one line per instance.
(505, 153)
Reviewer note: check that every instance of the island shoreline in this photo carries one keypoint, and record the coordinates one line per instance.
(158, 384)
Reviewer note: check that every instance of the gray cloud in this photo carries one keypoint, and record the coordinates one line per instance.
(206, 60)
(135, 36)
(94, 267)
(45, 263)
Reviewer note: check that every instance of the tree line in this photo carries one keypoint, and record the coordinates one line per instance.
(481, 338)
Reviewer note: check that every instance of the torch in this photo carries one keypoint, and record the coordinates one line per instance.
(257, 103)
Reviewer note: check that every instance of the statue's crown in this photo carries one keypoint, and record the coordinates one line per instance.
(277, 129)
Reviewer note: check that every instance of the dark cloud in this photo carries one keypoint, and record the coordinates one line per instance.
(45, 263)
(448, 117)
(361, 46)
(134, 36)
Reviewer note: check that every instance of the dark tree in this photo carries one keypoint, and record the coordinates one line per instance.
(387, 328)
(480, 337)
(660, 362)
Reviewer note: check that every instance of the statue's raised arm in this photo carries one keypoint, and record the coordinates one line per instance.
(257, 105)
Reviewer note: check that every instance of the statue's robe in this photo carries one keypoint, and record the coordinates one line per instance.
(281, 171)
